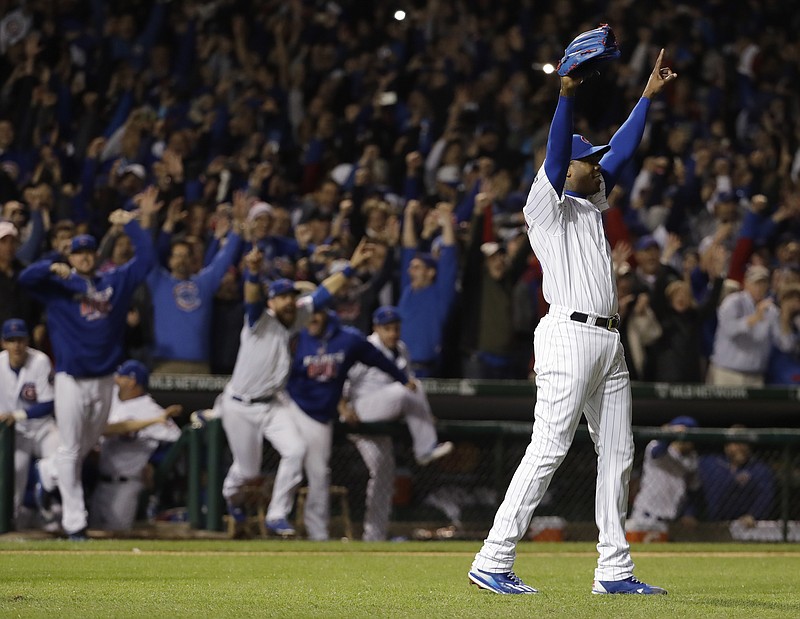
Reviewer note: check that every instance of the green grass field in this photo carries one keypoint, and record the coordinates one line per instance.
(202, 578)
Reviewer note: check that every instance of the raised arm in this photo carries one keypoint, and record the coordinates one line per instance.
(627, 138)
(559, 139)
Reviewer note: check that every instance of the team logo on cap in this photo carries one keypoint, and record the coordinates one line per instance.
(585, 141)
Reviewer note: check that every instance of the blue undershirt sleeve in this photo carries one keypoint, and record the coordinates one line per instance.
(559, 144)
(624, 143)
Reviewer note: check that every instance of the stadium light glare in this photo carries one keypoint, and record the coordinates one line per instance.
(399, 15)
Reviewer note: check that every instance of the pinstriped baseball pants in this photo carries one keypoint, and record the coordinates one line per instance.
(580, 369)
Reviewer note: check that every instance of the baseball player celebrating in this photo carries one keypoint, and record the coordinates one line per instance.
(580, 365)
(26, 401)
(373, 395)
(325, 352)
(136, 425)
(254, 404)
(86, 317)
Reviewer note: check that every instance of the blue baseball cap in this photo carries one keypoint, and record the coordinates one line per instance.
(83, 242)
(646, 242)
(684, 420)
(135, 369)
(428, 259)
(582, 148)
(386, 314)
(14, 328)
(282, 286)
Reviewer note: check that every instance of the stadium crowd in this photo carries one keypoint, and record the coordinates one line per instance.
(302, 127)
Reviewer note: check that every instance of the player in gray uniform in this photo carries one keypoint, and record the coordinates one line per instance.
(580, 363)
(136, 425)
(373, 396)
(26, 401)
(254, 404)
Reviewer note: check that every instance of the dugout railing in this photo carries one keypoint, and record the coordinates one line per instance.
(487, 451)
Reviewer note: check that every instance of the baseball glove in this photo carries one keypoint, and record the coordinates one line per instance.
(588, 50)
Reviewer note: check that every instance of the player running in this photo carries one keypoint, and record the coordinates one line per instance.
(86, 317)
(254, 404)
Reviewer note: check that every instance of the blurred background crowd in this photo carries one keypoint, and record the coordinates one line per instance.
(420, 126)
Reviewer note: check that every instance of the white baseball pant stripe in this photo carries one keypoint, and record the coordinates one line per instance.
(246, 426)
(319, 442)
(580, 368)
(392, 401)
(43, 444)
(378, 455)
(81, 406)
(113, 505)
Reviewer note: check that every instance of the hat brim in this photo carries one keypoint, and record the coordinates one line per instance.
(594, 150)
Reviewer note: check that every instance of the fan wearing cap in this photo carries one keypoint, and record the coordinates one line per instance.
(86, 318)
(276, 248)
(254, 404)
(428, 289)
(26, 400)
(669, 476)
(136, 426)
(15, 302)
(748, 326)
(372, 395)
(737, 485)
(183, 303)
(579, 359)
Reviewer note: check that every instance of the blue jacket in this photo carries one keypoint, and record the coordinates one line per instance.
(320, 365)
(182, 308)
(425, 311)
(86, 317)
(732, 494)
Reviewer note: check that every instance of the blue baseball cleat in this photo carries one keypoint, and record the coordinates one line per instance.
(504, 583)
(630, 585)
(78, 536)
(280, 527)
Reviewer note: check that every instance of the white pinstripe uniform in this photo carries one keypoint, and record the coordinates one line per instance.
(261, 371)
(122, 460)
(34, 438)
(664, 485)
(376, 396)
(580, 369)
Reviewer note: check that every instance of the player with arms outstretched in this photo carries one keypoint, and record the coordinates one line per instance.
(580, 365)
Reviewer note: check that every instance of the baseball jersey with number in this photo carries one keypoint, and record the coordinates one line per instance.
(320, 367)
